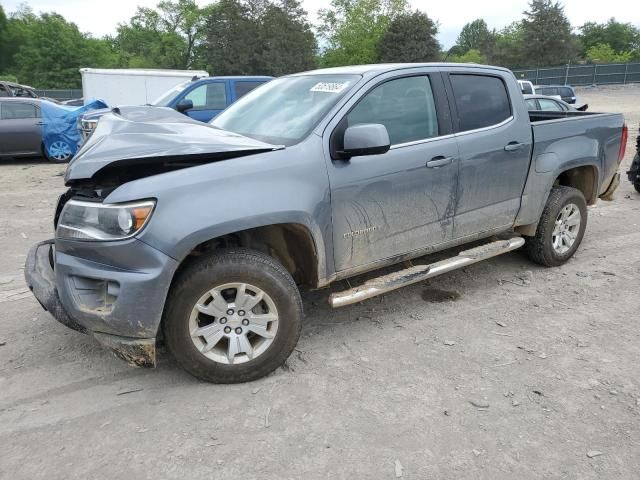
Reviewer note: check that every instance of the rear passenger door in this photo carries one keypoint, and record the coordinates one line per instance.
(20, 128)
(494, 141)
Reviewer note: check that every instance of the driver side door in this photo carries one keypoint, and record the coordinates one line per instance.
(387, 205)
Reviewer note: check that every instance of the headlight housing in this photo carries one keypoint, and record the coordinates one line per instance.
(92, 221)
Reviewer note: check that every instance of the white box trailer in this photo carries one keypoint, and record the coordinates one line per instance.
(131, 86)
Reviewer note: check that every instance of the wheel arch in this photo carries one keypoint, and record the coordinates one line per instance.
(292, 243)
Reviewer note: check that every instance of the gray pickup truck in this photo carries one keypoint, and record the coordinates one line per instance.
(205, 232)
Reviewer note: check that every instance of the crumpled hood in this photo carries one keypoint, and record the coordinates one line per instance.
(137, 136)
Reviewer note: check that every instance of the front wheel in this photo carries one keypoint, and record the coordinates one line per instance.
(233, 316)
(561, 227)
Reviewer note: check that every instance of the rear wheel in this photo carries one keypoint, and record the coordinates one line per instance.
(561, 227)
(233, 316)
(637, 187)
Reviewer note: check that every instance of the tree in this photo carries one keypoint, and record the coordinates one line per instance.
(471, 56)
(50, 50)
(509, 48)
(547, 34)
(603, 53)
(288, 42)
(477, 36)
(266, 38)
(4, 43)
(351, 29)
(410, 37)
(621, 37)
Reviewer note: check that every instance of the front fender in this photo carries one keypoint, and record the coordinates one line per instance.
(200, 203)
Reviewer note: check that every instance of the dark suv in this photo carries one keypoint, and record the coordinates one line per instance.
(565, 92)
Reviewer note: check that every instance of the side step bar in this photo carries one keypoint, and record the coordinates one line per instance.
(393, 281)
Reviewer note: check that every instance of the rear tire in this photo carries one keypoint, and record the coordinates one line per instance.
(557, 238)
(210, 334)
(637, 187)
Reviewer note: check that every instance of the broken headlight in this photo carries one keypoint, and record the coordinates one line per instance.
(99, 222)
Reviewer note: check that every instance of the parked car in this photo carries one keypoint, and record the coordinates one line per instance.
(526, 87)
(566, 93)
(37, 127)
(10, 89)
(20, 127)
(634, 172)
(205, 231)
(550, 104)
(199, 98)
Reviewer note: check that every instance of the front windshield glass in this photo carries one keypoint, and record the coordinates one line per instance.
(164, 99)
(285, 110)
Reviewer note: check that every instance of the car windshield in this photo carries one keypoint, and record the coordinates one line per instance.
(164, 99)
(284, 111)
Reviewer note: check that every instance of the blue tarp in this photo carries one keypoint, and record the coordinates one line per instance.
(60, 127)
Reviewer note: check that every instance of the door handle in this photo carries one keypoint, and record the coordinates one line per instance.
(513, 146)
(439, 162)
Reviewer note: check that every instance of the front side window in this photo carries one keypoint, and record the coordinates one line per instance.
(550, 105)
(211, 96)
(285, 110)
(481, 101)
(16, 110)
(405, 106)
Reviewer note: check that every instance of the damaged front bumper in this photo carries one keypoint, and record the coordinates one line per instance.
(121, 309)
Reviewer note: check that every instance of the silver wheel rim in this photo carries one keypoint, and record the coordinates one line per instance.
(233, 323)
(566, 228)
(60, 150)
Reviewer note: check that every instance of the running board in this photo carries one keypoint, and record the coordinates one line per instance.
(393, 281)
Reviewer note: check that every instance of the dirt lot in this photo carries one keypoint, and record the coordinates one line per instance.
(503, 370)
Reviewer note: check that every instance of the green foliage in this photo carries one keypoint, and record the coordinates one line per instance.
(49, 50)
(165, 37)
(547, 34)
(620, 37)
(410, 37)
(509, 48)
(603, 53)
(476, 36)
(471, 56)
(352, 29)
(266, 38)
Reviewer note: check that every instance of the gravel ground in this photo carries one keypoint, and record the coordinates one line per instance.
(502, 370)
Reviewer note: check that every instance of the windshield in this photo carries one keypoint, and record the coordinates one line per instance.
(285, 110)
(164, 99)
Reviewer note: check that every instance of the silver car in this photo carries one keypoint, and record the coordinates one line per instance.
(550, 104)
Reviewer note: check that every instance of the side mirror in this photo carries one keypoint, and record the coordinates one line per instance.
(184, 105)
(366, 139)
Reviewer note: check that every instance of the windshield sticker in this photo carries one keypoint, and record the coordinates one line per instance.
(329, 87)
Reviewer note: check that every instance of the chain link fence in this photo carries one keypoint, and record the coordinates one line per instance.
(582, 74)
(66, 94)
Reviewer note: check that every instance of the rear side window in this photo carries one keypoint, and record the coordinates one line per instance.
(15, 110)
(547, 91)
(481, 101)
(565, 92)
(242, 88)
(526, 88)
(550, 105)
(531, 104)
(405, 106)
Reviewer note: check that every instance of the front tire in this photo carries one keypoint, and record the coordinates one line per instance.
(561, 227)
(233, 316)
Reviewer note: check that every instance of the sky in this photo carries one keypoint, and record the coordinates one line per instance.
(100, 17)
